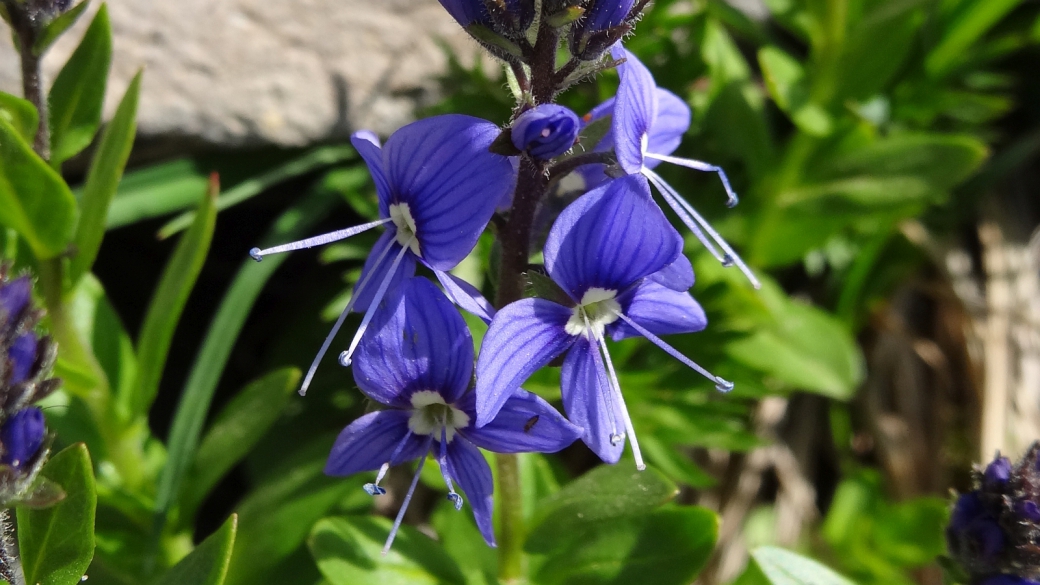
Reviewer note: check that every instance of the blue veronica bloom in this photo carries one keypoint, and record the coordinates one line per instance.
(438, 186)
(545, 131)
(417, 360)
(22, 436)
(647, 126)
(604, 14)
(619, 261)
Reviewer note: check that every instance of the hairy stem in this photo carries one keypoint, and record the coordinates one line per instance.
(10, 564)
(32, 81)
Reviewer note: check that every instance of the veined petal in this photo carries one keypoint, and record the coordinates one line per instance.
(525, 424)
(659, 309)
(670, 123)
(523, 337)
(376, 266)
(465, 295)
(368, 443)
(442, 169)
(417, 341)
(677, 276)
(609, 238)
(634, 110)
(469, 469)
(367, 145)
(589, 403)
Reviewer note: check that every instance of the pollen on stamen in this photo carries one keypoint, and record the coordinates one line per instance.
(373, 489)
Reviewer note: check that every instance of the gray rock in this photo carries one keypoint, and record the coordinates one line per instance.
(255, 72)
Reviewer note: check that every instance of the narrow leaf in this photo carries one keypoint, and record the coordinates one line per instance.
(57, 543)
(156, 190)
(311, 161)
(783, 567)
(969, 27)
(208, 563)
(57, 27)
(102, 179)
(21, 114)
(78, 92)
(168, 302)
(34, 200)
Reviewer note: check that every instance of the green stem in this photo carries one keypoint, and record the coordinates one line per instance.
(511, 519)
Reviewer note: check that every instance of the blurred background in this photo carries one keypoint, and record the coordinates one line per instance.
(888, 157)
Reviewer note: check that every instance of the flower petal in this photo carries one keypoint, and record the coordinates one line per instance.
(465, 295)
(523, 337)
(670, 123)
(367, 443)
(379, 261)
(417, 341)
(634, 110)
(587, 398)
(469, 469)
(609, 238)
(525, 424)
(661, 310)
(442, 169)
(677, 276)
(367, 144)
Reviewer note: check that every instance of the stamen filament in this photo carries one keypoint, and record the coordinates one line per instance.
(701, 166)
(339, 323)
(731, 257)
(407, 500)
(616, 387)
(345, 357)
(610, 399)
(721, 384)
(258, 254)
(455, 498)
(684, 216)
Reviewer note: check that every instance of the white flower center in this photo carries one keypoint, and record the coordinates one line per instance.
(643, 143)
(597, 309)
(401, 215)
(431, 414)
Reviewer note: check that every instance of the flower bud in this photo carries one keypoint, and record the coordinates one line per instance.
(14, 297)
(22, 435)
(545, 131)
(997, 472)
(604, 14)
(21, 357)
(466, 12)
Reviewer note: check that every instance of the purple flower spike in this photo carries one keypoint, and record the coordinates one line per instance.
(545, 131)
(616, 256)
(997, 472)
(14, 297)
(417, 360)
(22, 356)
(647, 126)
(438, 186)
(22, 435)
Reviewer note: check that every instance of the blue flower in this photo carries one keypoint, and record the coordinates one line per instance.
(604, 14)
(619, 262)
(997, 472)
(1007, 580)
(417, 360)
(974, 531)
(438, 187)
(466, 12)
(14, 298)
(21, 357)
(21, 436)
(545, 131)
(513, 16)
(647, 126)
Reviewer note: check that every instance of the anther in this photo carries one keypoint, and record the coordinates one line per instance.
(373, 489)
(255, 254)
(456, 500)
(616, 438)
(344, 359)
(723, 385)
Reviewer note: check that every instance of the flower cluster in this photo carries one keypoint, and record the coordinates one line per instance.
(614, 262)
(25, 362)
(994, 530)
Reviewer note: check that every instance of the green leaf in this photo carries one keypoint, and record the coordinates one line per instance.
(458, 534)
(803, 347)
(102, 180)
(940, 160)
(602, 496)
(57, 27)
(311, 161)
(220, 338)
(208, 563)
(347, 551)
(156, 190)
(671, 544)
(166, 306)
(34, 200)
(78, 92)
(21, 114)
(972, 23)
(789, 88)
(783, 567)
(57, 543)
(236, 430)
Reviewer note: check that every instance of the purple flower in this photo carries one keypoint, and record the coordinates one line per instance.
(974, 531)
(545, 131)
(604, 14)
(21, 357)
(14, 297)
(997, 472)
(466, 12)
(647, 126)
(438, 186)
(417, 360)
(1007, 580)
(22, 435)
(516, 16)
(618, 260)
